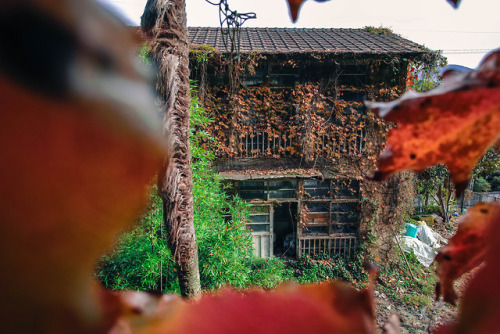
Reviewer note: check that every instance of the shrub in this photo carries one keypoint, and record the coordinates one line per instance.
(308, 270)
(224, 245)
(495, 183)
(268, 273)
(142, 260)
(431, 209)
(481, 185)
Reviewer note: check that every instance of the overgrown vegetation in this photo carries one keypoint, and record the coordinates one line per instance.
(268, 273)
(378, 31)
(495, 181)
(396, 281)
(487, 172)
(481, 185)
(308, 270)
(142, 260)
(308, 112)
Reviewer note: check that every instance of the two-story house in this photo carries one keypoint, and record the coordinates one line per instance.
(293, 136)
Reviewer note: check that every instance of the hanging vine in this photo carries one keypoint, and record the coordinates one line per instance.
(230, 24)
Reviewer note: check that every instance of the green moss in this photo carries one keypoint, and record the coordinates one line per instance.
(378, 31)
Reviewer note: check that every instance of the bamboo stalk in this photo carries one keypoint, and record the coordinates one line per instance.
(406, 260)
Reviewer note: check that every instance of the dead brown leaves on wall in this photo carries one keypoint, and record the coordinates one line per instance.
(297, 122)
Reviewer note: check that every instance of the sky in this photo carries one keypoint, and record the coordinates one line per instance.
(465, 35)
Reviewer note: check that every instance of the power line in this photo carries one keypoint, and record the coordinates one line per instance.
(454, 31)
(466, 51)
(483, 49)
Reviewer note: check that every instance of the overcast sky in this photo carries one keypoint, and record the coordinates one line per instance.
(464, 34)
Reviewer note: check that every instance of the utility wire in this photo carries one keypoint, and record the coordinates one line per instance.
(454, 31)
(466, 51)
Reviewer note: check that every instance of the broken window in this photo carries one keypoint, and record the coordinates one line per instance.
(282, 189)
(268, 190)
(317, 188)
(328, 211)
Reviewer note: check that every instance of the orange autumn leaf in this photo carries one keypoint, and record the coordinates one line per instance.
(466, 250)
(328, 307)
(480, 308)
(453, 124)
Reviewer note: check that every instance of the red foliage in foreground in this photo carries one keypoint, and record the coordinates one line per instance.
(467, 249)
(480, 306)
(328, 307)
(453, 124)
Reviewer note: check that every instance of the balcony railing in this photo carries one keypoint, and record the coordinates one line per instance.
(261, 144)
(331, 245)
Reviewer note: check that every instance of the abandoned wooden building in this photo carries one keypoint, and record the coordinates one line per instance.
(293, 136)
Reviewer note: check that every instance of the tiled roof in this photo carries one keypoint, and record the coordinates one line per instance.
(292, 40)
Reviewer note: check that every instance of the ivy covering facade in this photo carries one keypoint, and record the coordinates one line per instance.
(294, 139)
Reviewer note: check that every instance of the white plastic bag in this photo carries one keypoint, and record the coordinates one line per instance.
(424, 253)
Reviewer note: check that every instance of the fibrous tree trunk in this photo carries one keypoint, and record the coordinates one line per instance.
(164, 23)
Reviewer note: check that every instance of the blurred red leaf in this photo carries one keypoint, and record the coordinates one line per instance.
(74, 172)
(466, 250)
(69, 185)
(453, 124)
(392, 325)
(454, 3)
(480, 308)
(294, 6)
(329, 307)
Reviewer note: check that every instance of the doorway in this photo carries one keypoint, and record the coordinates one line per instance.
(285, 224)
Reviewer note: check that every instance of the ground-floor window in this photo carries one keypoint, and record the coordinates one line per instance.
(302, 216)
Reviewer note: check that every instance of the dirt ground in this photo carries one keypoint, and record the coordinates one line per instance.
(420, 320)
(413, 320)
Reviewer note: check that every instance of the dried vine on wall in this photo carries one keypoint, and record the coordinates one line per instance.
(314, 120)
(309, 120)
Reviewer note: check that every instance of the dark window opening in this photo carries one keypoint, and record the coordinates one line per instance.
(328, 211)
(284, 229)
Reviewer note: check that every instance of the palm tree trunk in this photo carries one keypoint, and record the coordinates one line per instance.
(164, 23)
